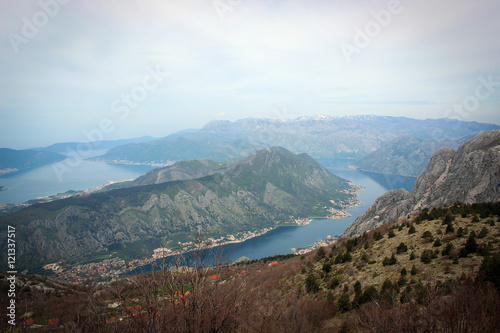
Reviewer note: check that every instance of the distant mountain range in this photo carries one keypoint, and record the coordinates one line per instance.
(469, 175)
(320, 137)
(406, 155)
(264, 190)
(68, 148)
(13, 160)
(183, 147)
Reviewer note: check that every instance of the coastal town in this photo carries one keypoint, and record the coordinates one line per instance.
(114, 267)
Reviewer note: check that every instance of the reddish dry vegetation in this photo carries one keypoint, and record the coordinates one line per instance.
(260, 298)
(333, 289)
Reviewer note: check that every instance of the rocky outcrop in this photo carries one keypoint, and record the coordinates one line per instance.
(469, 175)
(387, 207)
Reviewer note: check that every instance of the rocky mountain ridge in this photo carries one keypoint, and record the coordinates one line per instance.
(469, 175)
(320, 137)
(406, 156)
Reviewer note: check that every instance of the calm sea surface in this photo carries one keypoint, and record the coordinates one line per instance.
(40, 182)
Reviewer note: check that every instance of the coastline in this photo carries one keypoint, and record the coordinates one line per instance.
(113, 267)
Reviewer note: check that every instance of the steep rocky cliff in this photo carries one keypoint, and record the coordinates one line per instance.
(470, 175)
(269, 187)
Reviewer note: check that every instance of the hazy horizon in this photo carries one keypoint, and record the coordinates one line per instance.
(277, 117)
(157, 67)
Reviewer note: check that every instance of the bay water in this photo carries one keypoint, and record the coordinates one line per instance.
(282, 239)
(26, 185)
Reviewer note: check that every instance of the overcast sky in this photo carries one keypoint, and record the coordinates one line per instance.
(152, 67)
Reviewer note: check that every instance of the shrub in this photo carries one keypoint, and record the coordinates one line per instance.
(327, 266)
(450, 229)
(471, 243)
(389, 261)
(387, 291)
(490, 269)
(402, 281)
(338, 258)
(427, 256)
(414, 270)
(448, 218)
(428, 236)
(334, 283)
(320, 254)
(391, 234)
(412, 229)
(343, 303)
(406, 295)
(370, 294)
(447, 249)
(351, 243)
(402, 248)
(312, 285)
(357, 288)
(483, 233)
(387, 285)
(377, 236)
(437, 242)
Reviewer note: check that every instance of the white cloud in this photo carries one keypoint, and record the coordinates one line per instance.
(261, 55)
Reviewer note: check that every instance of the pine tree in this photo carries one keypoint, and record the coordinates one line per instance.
(471, 244)
(343, 303)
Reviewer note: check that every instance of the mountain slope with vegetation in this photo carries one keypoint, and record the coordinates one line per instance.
(183, 170)
(264, 190)
(436, 271)
(470, 175)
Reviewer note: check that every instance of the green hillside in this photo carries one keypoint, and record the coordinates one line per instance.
(267, 189)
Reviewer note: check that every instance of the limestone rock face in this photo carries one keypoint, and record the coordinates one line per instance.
(387, 207)
(470, 175)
